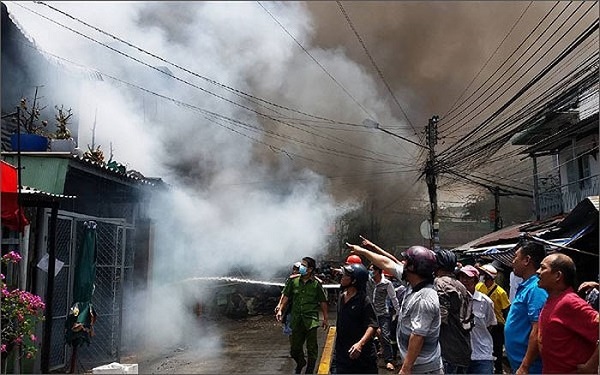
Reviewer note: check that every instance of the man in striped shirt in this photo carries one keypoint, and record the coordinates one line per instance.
(380, 290)
(419, 328)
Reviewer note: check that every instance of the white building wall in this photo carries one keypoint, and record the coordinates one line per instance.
(579, 171)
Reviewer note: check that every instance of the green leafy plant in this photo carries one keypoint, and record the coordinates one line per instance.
(21, 311)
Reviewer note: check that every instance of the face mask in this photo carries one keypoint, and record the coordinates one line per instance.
(371, 273)
(302, 270)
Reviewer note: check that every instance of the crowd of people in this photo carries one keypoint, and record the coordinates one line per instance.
(426, 313)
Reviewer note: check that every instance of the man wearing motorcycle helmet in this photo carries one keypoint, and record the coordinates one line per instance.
(353, 259)
(356, 325)
(419, 326)
(456, 308)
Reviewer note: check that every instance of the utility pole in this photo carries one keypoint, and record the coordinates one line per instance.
(496, 191)
(431, 180)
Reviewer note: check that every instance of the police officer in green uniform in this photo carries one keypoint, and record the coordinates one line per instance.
(308, 295)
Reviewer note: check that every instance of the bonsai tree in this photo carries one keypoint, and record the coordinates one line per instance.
(94, 154)
(29, 117)
(62, 117)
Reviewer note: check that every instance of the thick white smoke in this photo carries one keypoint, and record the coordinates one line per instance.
(226, 209)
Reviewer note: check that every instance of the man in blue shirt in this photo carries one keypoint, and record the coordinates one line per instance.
(521, 329)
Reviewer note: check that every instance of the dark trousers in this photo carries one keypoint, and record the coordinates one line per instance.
(301, 335)
(497, 332)
(451, 368)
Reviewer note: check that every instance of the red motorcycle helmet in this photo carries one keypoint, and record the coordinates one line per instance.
(353, 259)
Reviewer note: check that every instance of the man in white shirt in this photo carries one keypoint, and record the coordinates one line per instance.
(380, 290)
(482, 358)
(514, 284)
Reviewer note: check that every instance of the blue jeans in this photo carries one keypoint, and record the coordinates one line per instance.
(451, 368)
(287, 325)
(386, 342)
(481, 367)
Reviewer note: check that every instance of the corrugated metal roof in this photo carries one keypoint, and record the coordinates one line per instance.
(131, 175)
(29, 191)
(47, 170)
(511, 234)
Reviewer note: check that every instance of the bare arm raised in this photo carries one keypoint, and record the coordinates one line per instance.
(377, 249)
(381, 261)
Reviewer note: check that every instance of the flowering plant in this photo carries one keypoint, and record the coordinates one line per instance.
(21, 311)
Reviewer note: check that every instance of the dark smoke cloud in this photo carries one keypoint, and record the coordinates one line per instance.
(428, 50)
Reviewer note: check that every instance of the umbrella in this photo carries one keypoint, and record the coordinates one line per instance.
(79, 326)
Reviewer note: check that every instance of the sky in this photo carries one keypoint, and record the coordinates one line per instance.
(258, 124)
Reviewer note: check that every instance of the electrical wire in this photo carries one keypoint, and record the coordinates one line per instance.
(369, 115)
(488, 60)
(183, 81)
(214, 82)
(547, 51)
(446, 120)
(589, 82)
(373, 63)
(453, 150)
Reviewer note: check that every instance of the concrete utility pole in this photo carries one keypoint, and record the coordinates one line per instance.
(431, 180)
(496, 191)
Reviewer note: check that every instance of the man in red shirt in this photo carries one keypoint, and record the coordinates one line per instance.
(568, 326)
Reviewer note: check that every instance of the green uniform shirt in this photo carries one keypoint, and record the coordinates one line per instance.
(307, 297)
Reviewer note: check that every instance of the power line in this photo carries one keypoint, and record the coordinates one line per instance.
(214, 82)
(489, 59)
(213, 117)
(589, 74)
(547, 51)
(453, 150)
(501, 65)
(270, 117)
(316, 61)
(379, 72)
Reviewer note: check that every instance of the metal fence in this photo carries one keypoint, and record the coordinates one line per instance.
(113, 273)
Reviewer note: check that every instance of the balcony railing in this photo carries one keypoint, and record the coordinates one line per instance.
(564, 198)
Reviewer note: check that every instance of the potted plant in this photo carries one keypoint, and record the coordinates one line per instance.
(31, 135)
(61, 140)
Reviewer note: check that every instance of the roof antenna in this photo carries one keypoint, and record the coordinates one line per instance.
(94, 129)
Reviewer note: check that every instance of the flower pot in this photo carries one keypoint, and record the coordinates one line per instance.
(29, 142)
(62, 145)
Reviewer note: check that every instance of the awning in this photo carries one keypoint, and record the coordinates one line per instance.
(505, 253)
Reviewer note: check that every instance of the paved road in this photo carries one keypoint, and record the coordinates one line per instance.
(252, 345)
(255, 345)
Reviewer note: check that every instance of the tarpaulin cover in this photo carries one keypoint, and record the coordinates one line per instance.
(12, 215)
(80, 321)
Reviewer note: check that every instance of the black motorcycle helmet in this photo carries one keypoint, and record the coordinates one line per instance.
(446, 260)
(358, 274)
(420, 260)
